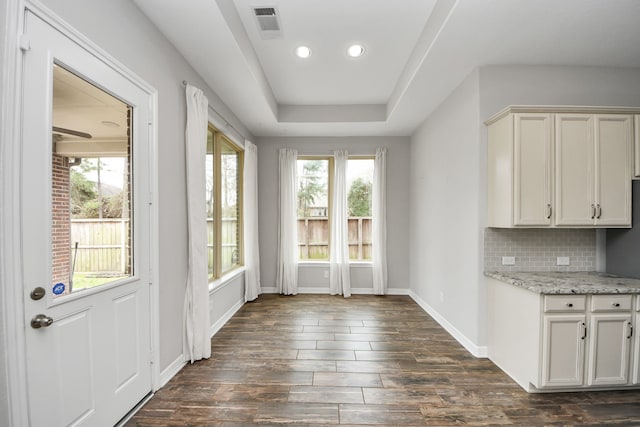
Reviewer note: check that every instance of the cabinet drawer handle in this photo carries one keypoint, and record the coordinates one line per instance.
(548, 210)
(599, 211)
(593, 211)
(616, 304)
(569, 304)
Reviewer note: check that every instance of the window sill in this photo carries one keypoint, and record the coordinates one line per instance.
(325, 264)
(222, 282)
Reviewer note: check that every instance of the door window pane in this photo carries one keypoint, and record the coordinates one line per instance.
(91, 186)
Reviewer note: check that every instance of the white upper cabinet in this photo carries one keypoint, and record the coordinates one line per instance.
(574, 155)
(613, 137)
(519, 165)
(561, 167)
(532, 169)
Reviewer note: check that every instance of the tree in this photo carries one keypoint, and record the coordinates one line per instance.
(311, 185)
(81, 191)
(359, 198)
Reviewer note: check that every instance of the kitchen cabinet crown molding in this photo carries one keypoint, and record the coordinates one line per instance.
(559, 109)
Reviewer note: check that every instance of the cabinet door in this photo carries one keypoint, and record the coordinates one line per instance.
(613, 169)
(574, 157)
(637, 146)
(563, 350)
(609, 349)
(636, 349)
(532, 169)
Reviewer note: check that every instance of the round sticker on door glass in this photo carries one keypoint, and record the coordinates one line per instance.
(58, 288)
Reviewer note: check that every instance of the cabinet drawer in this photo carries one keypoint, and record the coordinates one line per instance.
(566, 303)
(611, 303)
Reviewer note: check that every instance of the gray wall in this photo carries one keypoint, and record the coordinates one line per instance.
(445, 216)
(623, 245)
(119, 27)
(397, 206)
(448, 175)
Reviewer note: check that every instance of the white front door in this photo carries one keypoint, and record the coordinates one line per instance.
(85, 244)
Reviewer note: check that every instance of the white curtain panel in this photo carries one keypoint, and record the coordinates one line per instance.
(379, 223)
(197, 344)
(339, 273)
(250, 211)
(287, 259)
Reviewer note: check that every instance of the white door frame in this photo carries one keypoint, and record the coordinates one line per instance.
(12, 328)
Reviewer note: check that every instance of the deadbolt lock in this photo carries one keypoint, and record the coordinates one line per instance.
(38, 293)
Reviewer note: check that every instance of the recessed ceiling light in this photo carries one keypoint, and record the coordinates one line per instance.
(303, 52)
(355, 50)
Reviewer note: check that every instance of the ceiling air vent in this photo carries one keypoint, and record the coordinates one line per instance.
(268, 22)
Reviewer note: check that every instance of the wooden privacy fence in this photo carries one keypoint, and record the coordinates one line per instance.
(229, 238)
(103, 246)
(313, 238)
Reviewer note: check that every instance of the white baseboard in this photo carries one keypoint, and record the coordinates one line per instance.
(326, 291)
(225, 318)
(175, 366)
(171, 370)
(477, 351)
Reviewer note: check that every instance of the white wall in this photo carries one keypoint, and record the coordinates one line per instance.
(448, 176)
(445, 217)
(119, 27)
(397, 206)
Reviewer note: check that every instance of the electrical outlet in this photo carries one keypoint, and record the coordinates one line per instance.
(563, 260)
(508, 260)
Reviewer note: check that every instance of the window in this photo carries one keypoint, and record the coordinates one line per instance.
(314, 178)
(359, 189)
(315, 175)
(224, 203)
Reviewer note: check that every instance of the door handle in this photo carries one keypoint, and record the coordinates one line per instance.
(593, 211)
(599, 211)
(548, 210)
(41, 321)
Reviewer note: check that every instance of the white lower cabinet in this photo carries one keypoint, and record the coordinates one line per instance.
(564, 342)
(563, 350)
(610, 343)
(636, 348)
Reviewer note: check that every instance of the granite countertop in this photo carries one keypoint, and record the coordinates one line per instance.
(568, 283)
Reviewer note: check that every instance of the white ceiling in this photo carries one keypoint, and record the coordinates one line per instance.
(78, 106)
(417, 52)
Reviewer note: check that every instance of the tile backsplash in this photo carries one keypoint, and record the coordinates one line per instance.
(538, 249)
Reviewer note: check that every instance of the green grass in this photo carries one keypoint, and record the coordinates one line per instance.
(87, 281)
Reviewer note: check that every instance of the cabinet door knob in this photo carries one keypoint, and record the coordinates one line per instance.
(630, 330)
(584, 332)
(599, 211)
(569, 304)
(616, 304)
(593, 211)
(548, 210)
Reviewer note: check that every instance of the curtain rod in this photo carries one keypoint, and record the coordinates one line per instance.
(226, 122)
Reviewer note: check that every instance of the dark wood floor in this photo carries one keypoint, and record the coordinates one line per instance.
(366, 360)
